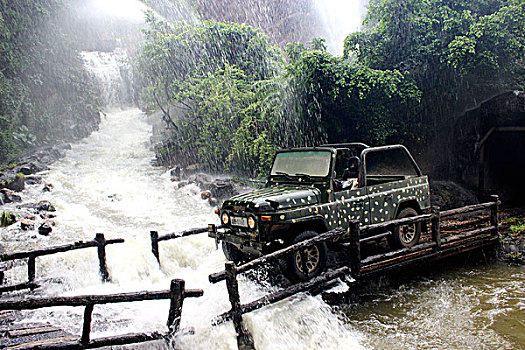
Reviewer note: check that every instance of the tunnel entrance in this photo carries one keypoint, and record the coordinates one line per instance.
(502, 163)
(490, 148)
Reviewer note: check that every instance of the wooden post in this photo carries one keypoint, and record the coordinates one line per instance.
(244, 338)
(86, 327)
(155, 244)
(355, 249)
(304, 266)
(177, 298)
(481, 172)
(101, 246)
(494, 214)
(31, 268)
(436, 228)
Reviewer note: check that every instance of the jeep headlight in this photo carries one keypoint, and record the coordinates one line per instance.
(251, 222)
(225, 218)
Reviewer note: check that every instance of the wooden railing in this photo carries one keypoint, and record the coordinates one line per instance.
(155, 238)
(100, 242)
(176, 294)
(358, 268)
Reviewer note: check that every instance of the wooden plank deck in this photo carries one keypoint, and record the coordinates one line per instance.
(25, 336)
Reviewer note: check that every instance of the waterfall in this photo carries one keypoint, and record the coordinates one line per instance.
(340, 18)
(113, 75)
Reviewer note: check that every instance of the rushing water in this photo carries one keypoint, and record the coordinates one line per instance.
(106, 184)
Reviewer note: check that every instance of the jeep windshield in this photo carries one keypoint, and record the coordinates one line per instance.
(302, 163)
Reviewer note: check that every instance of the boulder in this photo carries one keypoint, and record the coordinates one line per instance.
(16, 184)
(33, 180)
(45, 228)
(45, 206)
(9, 196)
(27, 225)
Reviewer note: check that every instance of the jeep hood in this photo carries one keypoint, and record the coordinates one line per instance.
(286, 196)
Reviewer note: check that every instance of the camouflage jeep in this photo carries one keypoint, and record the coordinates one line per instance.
(312, 190)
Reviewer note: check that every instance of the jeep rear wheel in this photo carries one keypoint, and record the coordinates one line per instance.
(406, 235)
(314, 255)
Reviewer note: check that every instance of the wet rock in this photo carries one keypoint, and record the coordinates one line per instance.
(202, 180)
(9, 196)
(223, 189)
(182, 184)
(27, 225)
(45, 229)
(45, 206)
(176, 173)
(16, 184)
(47, 216)
(33, 180)
(1, 199)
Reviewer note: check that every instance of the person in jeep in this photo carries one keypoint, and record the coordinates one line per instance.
(312, 190)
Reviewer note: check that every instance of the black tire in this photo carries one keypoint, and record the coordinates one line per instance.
(233, 253)
(316, 259)
(406, 235)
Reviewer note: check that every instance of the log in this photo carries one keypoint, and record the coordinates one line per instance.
(31, 269)
(494, 214)
(155, 244)
(100, 342)
(337, 232)
(467, 209)
(436, 229)
(400, 252)
(101, 251)
(83, 300)
(397, 222)
(244, 338)
(56, 249)
(21, 286)
(182, 234)
(283, 294)
(443, 253)
(86, 327)
(468, 234)
(355, 249)
(177, 299)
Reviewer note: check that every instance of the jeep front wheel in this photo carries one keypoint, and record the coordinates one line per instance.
(406, 235)
(233, 253)
(315, 257)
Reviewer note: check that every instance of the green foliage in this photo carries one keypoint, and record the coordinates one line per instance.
(6, 219)
(352, 102)
(230, 99)
(457, 52)
(44, 90)
(207, 80)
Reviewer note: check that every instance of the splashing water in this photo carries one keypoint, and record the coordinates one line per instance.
(106, 184)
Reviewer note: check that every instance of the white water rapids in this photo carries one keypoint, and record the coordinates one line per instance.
(107, 184)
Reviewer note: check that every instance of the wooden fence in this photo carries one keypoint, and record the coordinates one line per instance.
(438, 247)
(100, 242)
(155, 238)
(176, 294)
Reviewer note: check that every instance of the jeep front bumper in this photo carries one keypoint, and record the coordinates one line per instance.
(222, 234)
